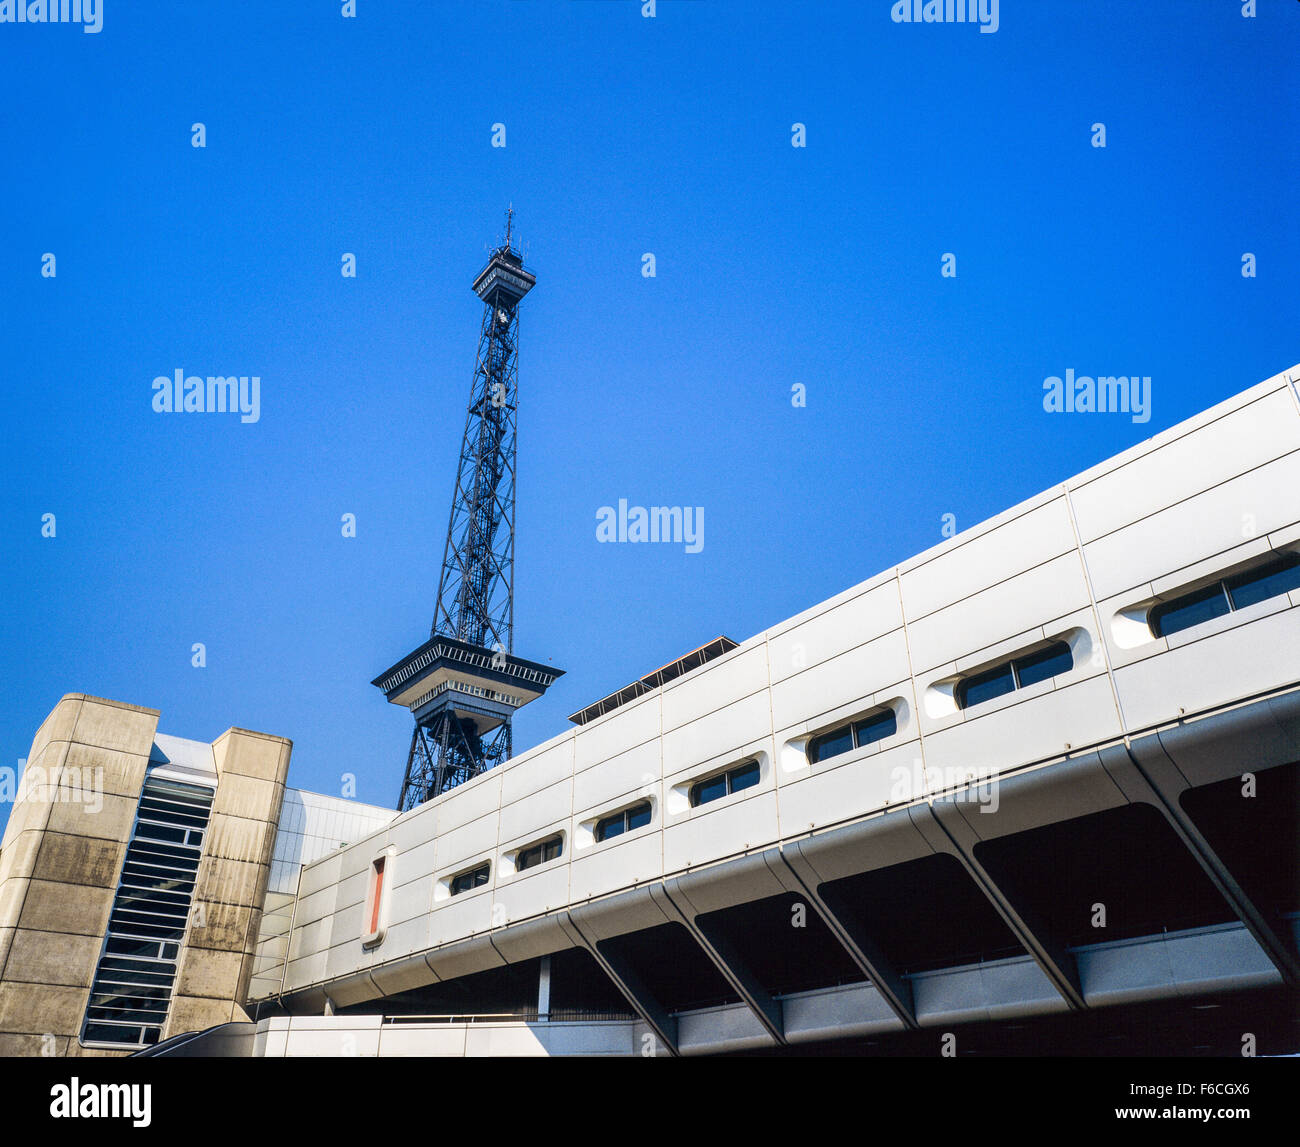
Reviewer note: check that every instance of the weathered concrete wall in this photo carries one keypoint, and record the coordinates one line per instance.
(61, 862)
(216, 964)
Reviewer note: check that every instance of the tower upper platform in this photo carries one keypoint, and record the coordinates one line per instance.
(504, 281)
(479, 684)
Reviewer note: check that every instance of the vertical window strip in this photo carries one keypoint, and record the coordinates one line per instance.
(132, 987)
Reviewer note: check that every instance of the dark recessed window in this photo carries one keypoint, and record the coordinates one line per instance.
(985, 686)
(1236, 592)
(732, 781)
(1018, 673)
(1190, 609)
(638, 816)
(1049, 662)
(875, 727)
(831, 744)
(540, 853)
(471, 879)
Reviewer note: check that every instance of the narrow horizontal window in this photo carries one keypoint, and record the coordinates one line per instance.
(1236, 592)
(540, 853)
(865, 731)
(831, 744)
(466, 881)
(638, 816)
(1050, 662)
(721, 784)
(986, 686)
(876, 728)
(1018, 673)
(1190, 609)
(1272, 580)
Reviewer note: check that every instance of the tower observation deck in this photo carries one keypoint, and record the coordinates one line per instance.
(463, 685)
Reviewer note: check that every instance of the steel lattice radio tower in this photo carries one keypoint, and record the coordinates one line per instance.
(463, 685)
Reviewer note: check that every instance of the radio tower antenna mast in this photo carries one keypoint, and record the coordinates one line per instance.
(464, 684)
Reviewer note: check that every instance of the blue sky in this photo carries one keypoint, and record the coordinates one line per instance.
(775, 265)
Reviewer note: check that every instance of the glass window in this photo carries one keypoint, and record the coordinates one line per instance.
(876, 728)
(638, 816)
(539, 853)
(831, 744)
(471, 879)
(1190, 609)
(985, 686)
(1271, 580)
(743, 777)
(710, 789)
(732, 781)
(611, 826)
(132, 985)
(1019, 673)
(1049, 662)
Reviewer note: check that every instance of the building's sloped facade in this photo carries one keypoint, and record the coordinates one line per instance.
(1044, 767)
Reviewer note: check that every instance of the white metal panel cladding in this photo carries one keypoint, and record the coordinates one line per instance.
(132, 988)
(992, 593)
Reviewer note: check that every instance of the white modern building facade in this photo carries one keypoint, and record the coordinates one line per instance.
(1043, 772)
(1048, 766)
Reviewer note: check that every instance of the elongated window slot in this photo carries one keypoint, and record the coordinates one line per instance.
(470, 879)
(638, 816)
(1017, 673)
(539, 853)
(719, 785)
(1272, 579)
(875, 726)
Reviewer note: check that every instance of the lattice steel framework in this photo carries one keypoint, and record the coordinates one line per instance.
(476, 588)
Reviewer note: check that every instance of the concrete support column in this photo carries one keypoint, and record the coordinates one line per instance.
(544, 989)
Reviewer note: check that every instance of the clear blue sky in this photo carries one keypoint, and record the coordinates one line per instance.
(775, 266)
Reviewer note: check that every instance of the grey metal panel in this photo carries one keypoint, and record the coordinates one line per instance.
(1047, 949)
(1245, 739)
(750, 878)
(838, 1012)
(403, 975)
(353, 990)
(1150, 758)
(618, 914)
(531, 938)
(1006, 989)
(878, 842)
(465, 958)
(1178, 964)
(717, 1030)
(1073, 787)
(730, 961)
